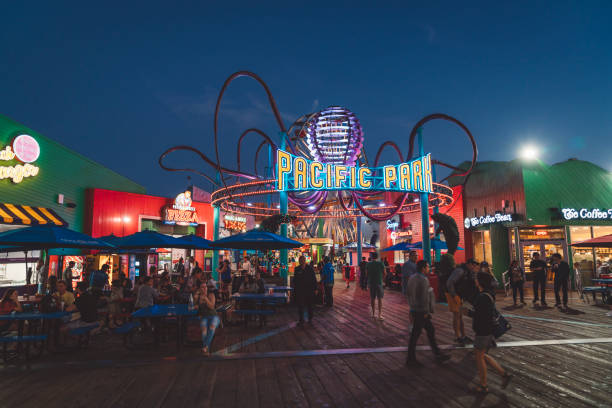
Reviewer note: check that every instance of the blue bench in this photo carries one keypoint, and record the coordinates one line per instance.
(127, 330)
(6, 340)
(83, 333)
(594, 290)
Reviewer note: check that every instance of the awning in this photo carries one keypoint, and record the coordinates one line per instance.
(27, 215)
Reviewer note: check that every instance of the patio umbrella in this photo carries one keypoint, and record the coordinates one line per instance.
(151, 239)
(45, 237)
(599, 242)
(197, 242)
(256, 239)
(436, 243)
(401, 246)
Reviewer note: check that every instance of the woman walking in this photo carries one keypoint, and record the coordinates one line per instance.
(209, 321)
(517, 280)
(482, 324)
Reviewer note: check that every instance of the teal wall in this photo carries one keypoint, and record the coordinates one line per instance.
(62, 171)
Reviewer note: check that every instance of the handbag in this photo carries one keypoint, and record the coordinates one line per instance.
(500, 324)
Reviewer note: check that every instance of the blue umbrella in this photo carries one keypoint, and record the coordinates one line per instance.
(401, 246)
(256, 239)
(197, 242)
(46, 236)
(150, 239)
(436, 244)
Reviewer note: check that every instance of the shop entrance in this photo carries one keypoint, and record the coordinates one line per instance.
(545, 248)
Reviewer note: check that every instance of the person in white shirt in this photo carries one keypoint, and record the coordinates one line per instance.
(246, 266)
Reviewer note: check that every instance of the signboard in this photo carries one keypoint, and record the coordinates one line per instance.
(25, 150)
(235, 223)
(181, 212)
(295, 173)
(586, 214)
(486, 219)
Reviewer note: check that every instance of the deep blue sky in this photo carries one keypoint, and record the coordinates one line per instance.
(122, 82)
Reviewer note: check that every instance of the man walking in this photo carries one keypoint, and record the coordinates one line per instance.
(304, 284)
(363, 275)
(421, 299)
(327, 277)
(376, 274)
(408, 269)
(460, 285)
(561, 270)
(538, 267)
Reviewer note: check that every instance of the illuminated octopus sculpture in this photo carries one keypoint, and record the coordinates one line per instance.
(333, 135)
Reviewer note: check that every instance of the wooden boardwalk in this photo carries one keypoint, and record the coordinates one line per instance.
(349, 360)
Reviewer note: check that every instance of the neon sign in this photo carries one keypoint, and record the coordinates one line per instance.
(586, 214)
(392, 225)
(294, 173)
(487, 219)
(181, 212)
(24, 149)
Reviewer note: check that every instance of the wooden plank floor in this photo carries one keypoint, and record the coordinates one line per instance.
(555, 375)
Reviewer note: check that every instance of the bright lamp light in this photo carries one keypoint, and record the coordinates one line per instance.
(529, 152)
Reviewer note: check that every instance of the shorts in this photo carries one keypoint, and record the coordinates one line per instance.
(454, 303)
(376, 291)
(483, 342)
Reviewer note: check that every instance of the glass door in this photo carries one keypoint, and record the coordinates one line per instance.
(545, 248)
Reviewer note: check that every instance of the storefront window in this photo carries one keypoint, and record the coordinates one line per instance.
(482, 246)
(578, 234)
(541, 233)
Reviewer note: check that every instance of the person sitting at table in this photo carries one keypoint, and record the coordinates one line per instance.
(237, 281)
(209, 321)
(126, 284)
(86, 304)
(114, 305)
(65, 299)
(146, 293)
(194, 281)
(9, 304)
(249, 285)
(52, 285)
(166, 290)
(260, 282)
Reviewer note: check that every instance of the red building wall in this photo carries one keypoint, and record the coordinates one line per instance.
(115, 212)
(414, 219)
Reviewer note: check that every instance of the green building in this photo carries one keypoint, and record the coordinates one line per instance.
(513, 209)
(43, 182)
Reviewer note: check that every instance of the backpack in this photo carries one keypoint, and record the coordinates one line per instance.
(465, 287)
(48, 304)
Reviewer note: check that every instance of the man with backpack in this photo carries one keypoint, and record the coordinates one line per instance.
(461, 286)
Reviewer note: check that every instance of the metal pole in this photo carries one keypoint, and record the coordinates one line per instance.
(436, 210)
(284, 207)
(424, 197)
(216, 211)
(359, 248)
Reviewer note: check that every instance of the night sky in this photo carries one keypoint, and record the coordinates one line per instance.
(123, 82)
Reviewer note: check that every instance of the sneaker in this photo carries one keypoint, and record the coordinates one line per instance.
(544, 304)
(523, 302)
(466, 339)
(440, 357)
(557, 304)
(460, 342)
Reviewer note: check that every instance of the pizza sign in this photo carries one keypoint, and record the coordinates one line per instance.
(181, 212)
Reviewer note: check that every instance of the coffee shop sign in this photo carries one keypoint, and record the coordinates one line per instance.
(586, 214)
(486, 219)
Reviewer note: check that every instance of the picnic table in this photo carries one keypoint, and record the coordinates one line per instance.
(276, 288)
(262, 300)
(20, 319)
(159, 312)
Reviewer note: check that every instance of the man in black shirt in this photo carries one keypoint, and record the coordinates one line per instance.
(561, 270)
(538, 268)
